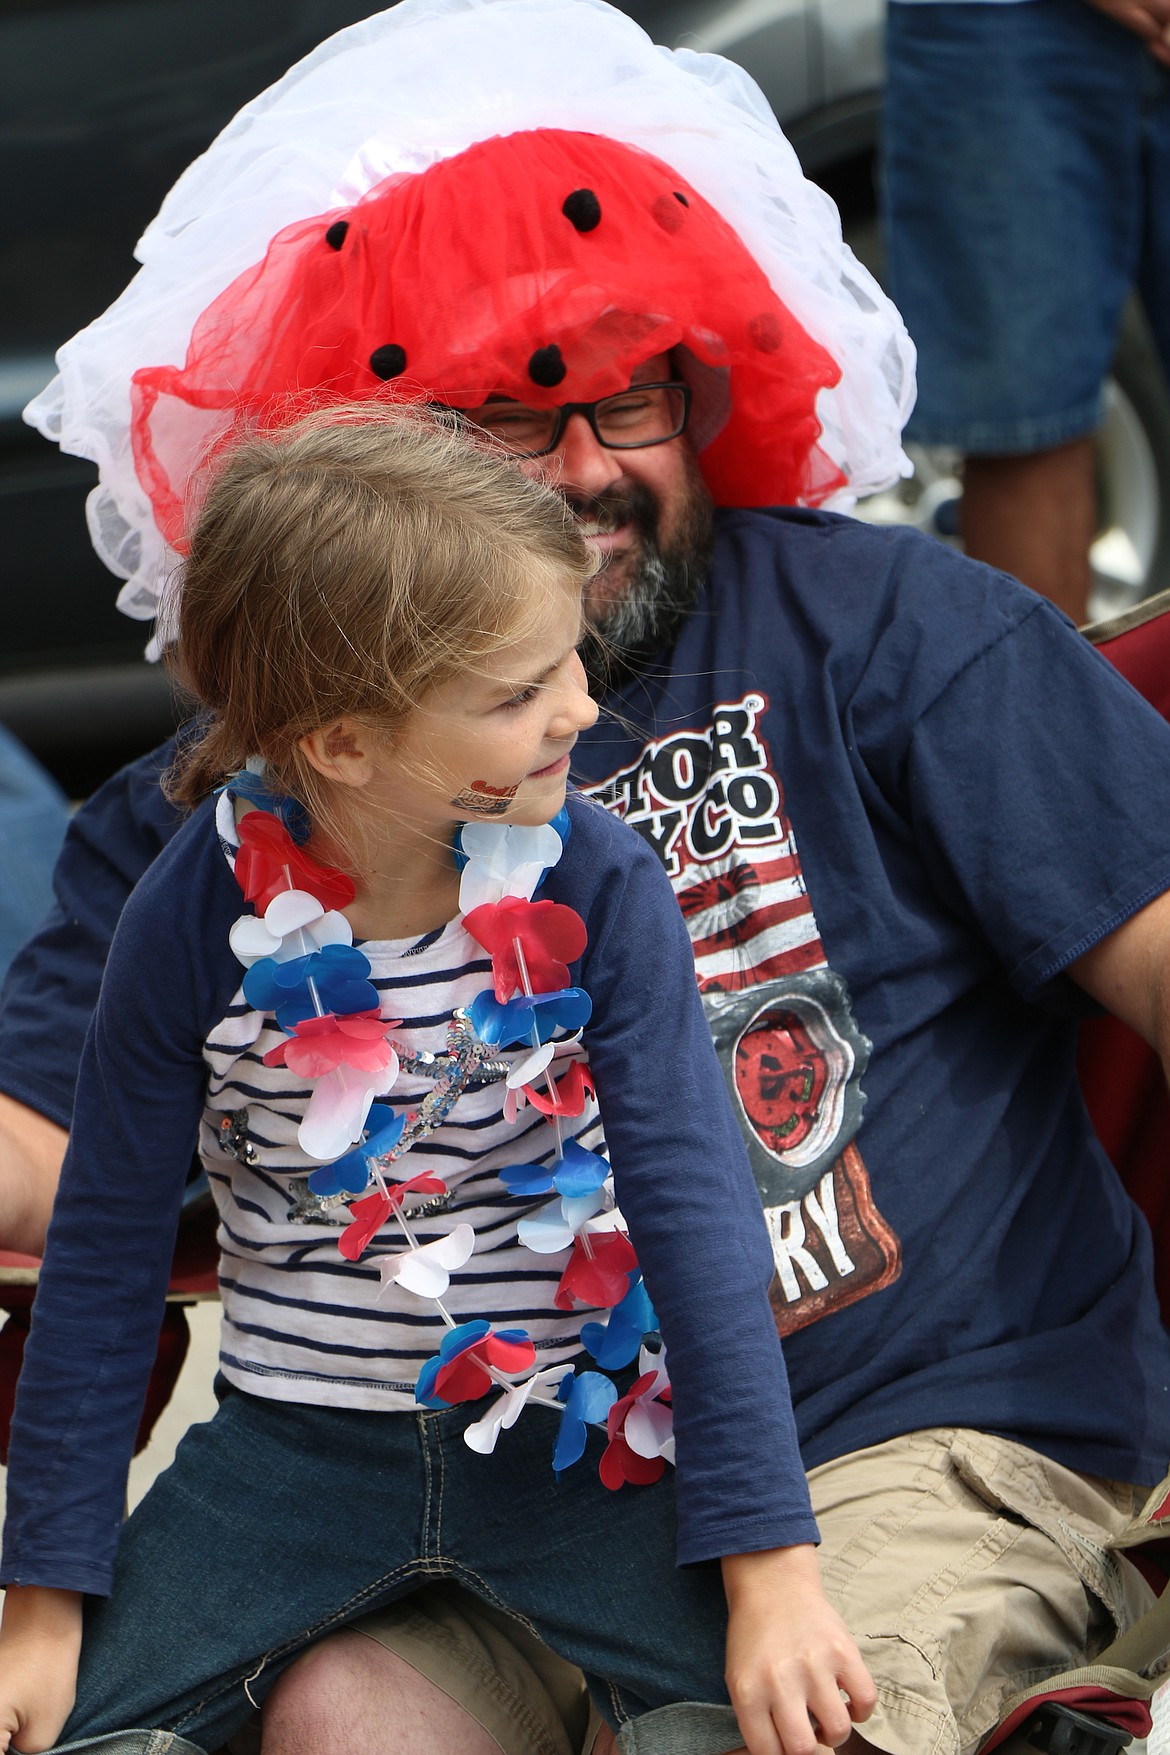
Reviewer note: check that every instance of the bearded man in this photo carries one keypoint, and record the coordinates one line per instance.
(863, 761)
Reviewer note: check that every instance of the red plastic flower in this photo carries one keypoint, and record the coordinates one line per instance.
(620, 1462)
(371, 1212)
(320, 1045)
(467, 1376)
(599, 1271)
(270, 862)
(568, 1096)
(545, 936)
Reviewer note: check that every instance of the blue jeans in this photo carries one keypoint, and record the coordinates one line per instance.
(277, 1524)
(1026, 169)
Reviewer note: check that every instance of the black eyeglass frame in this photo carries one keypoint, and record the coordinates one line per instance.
(566, 410)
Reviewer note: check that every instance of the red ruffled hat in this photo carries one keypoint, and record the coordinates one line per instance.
(439, 286)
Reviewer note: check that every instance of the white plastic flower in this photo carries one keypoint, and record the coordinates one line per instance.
(504, 860)
(507, 1408)
(427, 1269)
(293, 924)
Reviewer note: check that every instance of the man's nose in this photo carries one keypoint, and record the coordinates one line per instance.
(581, 462)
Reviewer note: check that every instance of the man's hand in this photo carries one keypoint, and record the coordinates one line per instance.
(40, 1643)
(31, 1150)
(1148, 19)
(794, 1674)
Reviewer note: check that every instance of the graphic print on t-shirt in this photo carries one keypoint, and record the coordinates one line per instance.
(710, 805)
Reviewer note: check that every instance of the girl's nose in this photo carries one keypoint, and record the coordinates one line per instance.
(575, 711)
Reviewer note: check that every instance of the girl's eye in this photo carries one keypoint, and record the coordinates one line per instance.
(520, 700)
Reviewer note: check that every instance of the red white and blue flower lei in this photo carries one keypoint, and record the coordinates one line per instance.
(303, 966)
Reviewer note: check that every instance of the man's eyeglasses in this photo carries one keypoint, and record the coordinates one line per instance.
(645, 414)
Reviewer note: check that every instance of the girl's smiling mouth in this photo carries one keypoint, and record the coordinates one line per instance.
(556, 767)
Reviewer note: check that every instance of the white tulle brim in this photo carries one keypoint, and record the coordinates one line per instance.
(417, 84)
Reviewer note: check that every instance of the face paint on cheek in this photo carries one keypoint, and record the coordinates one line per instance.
(484, 800)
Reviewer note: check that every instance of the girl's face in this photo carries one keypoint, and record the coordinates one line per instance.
(493, 744)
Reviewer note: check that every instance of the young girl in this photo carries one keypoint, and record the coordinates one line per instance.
(389, 1062)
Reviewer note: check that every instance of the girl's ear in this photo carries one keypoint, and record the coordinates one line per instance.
(343, 752)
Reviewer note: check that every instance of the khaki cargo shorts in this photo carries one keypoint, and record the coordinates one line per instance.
(968, 1568)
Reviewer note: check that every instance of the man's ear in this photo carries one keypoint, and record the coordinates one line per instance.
(343, 752)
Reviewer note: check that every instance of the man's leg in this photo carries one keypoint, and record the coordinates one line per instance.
(1035, 515)
(968, 1569)
(447, 1671)
(350, 1695)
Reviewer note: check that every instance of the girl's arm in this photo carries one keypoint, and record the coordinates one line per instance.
(684, 1183)
(40, 1642)
(790, 1657)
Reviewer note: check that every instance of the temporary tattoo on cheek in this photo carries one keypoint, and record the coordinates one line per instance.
(485, 800)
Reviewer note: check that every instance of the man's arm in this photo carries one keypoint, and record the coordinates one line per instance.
(52, 987)
(31, 1150)
(1129, 974)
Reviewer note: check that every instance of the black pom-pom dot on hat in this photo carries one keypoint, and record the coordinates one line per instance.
(546, 367)
(335, 236)
(582, 209)
(388, 361)
(765, 333)
(669, 215)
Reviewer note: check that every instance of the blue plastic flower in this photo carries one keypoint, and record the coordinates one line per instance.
(615, 1343)
(351, 1174)
(503, 1026)
(577, 1172)
(588, 1397)
(338, 972)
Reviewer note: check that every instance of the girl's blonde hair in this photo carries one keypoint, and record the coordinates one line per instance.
(343, 566)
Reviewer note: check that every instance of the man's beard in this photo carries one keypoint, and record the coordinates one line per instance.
(644, 615)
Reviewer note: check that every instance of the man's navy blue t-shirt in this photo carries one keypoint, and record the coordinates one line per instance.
(897, 795)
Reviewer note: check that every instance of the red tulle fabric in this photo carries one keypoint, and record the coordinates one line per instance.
(456, 291)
